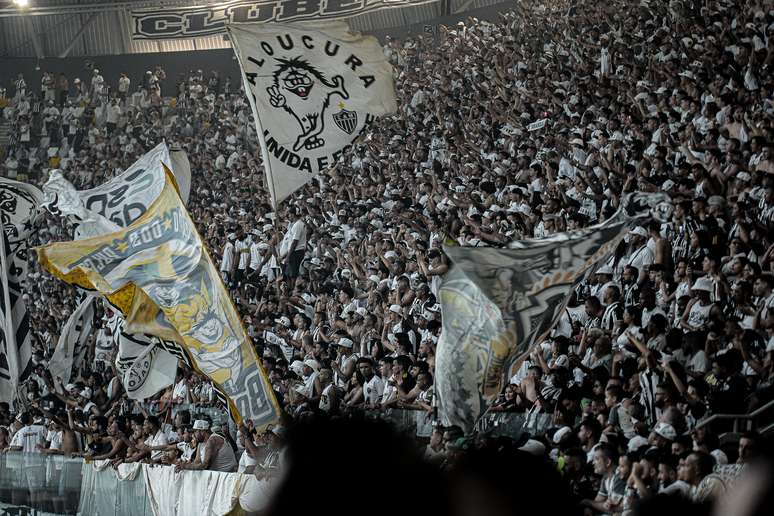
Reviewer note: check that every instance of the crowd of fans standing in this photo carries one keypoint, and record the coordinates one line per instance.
(338, 288)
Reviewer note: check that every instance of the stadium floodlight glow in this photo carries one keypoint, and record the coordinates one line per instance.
(22, 3)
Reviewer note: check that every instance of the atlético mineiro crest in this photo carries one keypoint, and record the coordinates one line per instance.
(346, 120)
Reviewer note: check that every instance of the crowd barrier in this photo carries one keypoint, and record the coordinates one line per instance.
(148, 490)
(33, 484)
(40, 484)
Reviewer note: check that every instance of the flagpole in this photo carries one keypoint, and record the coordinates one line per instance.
(11, 351)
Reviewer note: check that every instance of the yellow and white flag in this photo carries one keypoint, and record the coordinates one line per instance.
(313, 90)
(158, 274)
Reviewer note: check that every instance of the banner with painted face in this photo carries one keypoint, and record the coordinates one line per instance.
(313, 91)
(158, 274)
(106, 209)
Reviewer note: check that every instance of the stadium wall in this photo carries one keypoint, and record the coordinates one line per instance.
(175, 63)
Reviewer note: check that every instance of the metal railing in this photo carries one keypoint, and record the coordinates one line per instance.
(750, 420)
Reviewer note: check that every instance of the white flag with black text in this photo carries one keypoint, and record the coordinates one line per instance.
(19, 204)
(313, 90)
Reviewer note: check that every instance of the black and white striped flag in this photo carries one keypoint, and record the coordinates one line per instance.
(19, 204)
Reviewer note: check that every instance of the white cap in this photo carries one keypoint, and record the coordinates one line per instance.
(666, 431)
(534, 447)
(201, 424)
(704, 284)
(636, 443)
(345, 343)
(312, 364)
(640, 231)
(605, 269)
(297, 367)
(396, 309)
(720, 457)
(284, 321)
(559, 434)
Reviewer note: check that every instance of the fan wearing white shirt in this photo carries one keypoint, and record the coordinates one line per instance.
(293, 247)
(180, 393)
(156, 437)
(248, 459)
(641, 256)
(373, 388)
(30, 438)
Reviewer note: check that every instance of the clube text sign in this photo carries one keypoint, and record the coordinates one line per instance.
(206, 20)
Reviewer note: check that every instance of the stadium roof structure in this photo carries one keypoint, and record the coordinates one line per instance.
(69, 28)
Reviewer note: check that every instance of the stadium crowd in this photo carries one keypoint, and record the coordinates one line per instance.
(526, 127)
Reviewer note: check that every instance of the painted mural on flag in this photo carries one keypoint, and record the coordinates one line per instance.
(158, 274)
(19, 204)
(207, 20)
(106, 209)
(313, 91)
(498, 303)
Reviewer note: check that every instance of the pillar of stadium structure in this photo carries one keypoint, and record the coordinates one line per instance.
(35, 39)
(84, 26)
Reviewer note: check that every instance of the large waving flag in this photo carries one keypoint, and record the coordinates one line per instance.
(19, 204)
(146, 366)
(313, 90)
(498, 303)
(158, 274)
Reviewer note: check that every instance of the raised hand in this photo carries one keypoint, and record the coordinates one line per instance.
(276, 99)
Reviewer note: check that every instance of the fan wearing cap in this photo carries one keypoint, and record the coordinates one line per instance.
(311, 379)
(345, 363)
(399, 325)
(282, 336)
(640, 256)
(700, 310)
(213, 454)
